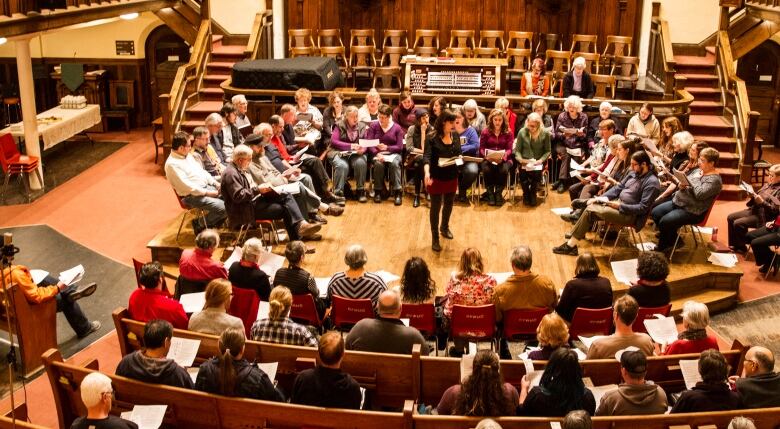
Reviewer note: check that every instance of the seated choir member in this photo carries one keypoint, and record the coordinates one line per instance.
(469, 146)
(496, 137)
(205, 154)
(345, 145)
(694, 337)
(278, 327)
(469, 285)
(308, 118)
(369, 112)
(242, 120)
(624, 314)
(483, 393)
(387, 333)
(552, 334)
(213, 124)
(629, 202)
(577, 81)
(417, 137)
(713, 392)
(231, 137)
(387, 155)
(416, 285)
(761, 240)
(97, 394)
(634, 396)
(404, 113)
(532, 149)
(510, 116)
(644, 124)
(194, 185)
(560, 390)
(539, 106)
(577, 419)
(474, 117)
(326, 385)
(437, 105)
(685, 150)
(594, 128)
(535, 82)
(586, 290)
(295, 278)
(761, 207)
(150, 364)
(690, 204)
(198, 264)
(246, 273)
(571, 140)
(524, 289)
(214, 317)
(332, 114)
(599, 154)
(759, 385)
(651, 290)
(244, 208)
(153, 300)
(665, 147)
(615, 166)
(356, 282)
(230, 374)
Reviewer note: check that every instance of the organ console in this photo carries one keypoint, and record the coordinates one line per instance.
(477, 76)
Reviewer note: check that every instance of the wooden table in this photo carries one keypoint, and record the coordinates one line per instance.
(70, 123)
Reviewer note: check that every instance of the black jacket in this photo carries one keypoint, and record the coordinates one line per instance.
(707, 397)
(540, 402)
(650, 296)
(587, 292)
(153, 370)
(586, 91)
(251, 381)
(250, 278)
(326, 387)
(110, 422)
(238, 195)
(759, 391)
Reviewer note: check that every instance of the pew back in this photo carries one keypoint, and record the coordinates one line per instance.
(35, 326)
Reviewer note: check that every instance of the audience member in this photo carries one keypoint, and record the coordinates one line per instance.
(644, 124)
(295, 278)
(387, 333)
(356, 282)
(214, 317)
(230, 374)
(762, 207)
(369, 112)
(204, 153)
(277, 327)
(403, 114)
(98, 397)
(214, 123)
(539, 106)
(231, 137)
(578, 81)
(571, 140)
(523, 289)
(150, 364)
(326, 385)
(552, 334)
(308, 121)
(242, 120)
(665, 148)
(535, 82)
(441, 181)
(483, 393)
(694, 337)
(386, 155)
(586, 290)
(487, 424)
(198, 264)
(437, 105)
(634, 396)
(417, 286)
(532, 149)
(469, 146)
(560, 390)
(740, 422)
(418, 136)
(495, 146)
(153, 300)
(600, 158)
(474, 117)
(577, 419)
(712, 393)
(651, 290)
(623, 316)
(759, 386)
(246, 273)
(349, 153)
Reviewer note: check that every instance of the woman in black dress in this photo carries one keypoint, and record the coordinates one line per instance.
(442, 182)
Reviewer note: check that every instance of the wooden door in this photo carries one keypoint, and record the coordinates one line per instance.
(760, 69)
(162, 46)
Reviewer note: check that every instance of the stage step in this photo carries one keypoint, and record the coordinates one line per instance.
(215, 79)
(700, 79)
(731, 192)
(211, 94)
(721, 143)
(201, 109)
(706, 107)
(710, 125)
(701, 93)
(220, 66)
(717, 300)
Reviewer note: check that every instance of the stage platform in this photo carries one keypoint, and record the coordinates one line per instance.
(392, 234)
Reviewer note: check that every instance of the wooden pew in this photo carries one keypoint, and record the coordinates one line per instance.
(35, 327)
(193, 410)
(388, 379)
(20, 413)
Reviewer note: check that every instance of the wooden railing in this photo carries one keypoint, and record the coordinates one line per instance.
(765, 3)
(260, 44)
(660, 59)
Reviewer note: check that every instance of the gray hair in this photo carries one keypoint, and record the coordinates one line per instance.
(606, 104)
(579, 62)
(615, 140)
(242, 151)
(213, 118)
(252, 250)
(355, 257)
(521, 257)
(573, 100)
(350, 109)
(373, 93)
(577, 419)
(92, 388)
(207, 239)
(684, 139)
(238, 98)
(502, 103)
(260, 127)
(294, 251)
(470, 104)
(741, 422)
(487, 424)
(199, 131)
(534, 117)
(696, 314)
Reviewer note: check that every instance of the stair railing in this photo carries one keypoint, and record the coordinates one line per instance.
(660, 60)
(260, 44)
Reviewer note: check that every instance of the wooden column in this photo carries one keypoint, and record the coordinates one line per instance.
(27, 96)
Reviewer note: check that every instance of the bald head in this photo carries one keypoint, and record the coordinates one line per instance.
(763, 359)
(389, 304)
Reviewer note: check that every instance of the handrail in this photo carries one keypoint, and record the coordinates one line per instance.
(259, 36)
(665, 51)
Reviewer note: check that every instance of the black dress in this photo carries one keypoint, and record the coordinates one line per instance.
(445, 179)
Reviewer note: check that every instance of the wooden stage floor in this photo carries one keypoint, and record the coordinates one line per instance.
(392, 234)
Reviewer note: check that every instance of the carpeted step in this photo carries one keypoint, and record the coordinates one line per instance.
(219, 67)
(215, 79)
(228, 53)
(201, 109)
(728, 160)
(706, 107)
(710, 125)
(701, 93)
(731, 192)
(704, 79)
(211, 94)
(721, 143)
(729, 176)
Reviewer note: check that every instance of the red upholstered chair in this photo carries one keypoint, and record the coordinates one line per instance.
(473, 323)
(421, 316)
(304, 310)
(588, 322)
(12, 162)
(649, 313)
(345, 312)
(522, 322)
(244, 305)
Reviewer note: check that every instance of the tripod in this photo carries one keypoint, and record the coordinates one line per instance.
(6, 258)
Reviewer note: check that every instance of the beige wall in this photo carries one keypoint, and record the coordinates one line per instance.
(94, 41)
(236, 16)
(690, 21)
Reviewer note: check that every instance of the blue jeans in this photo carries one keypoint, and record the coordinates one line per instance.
(341, 171)
(73, 313)
(668, 218)
(214, 206)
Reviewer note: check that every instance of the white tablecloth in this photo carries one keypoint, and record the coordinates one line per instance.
(73, 122)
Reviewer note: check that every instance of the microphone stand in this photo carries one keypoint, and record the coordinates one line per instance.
(5, 260)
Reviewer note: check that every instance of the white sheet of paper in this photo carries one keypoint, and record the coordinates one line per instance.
(625, 271)
(601, 199)
(148, 416)
(390, 157)
(728, 260)
(297, 155)
(38, 275)
(690, 372)
(405, 322)
(600, 391)
(494, 155)
(193, 372)
(466, 366)
(562, 210)
(387, 276)
(72, 275)
(289, 188)
(649, 144)
(193, 302)
(269, 368)
(646, 247)
(555, 425)
(587, 341)
(183, 351)
(534, 167)
(270, 263)
(529, 365)
(580, 354)
(234, 257)
(263, 309)
(747, 187)
(574, 165)
(322, 285)
(501, 277)
(662, 331)
(574, 152)
(587, 382)
(534, 377)
(368, 142)
(704, 229)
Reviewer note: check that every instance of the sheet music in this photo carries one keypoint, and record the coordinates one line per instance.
(467, 158)
(233, 258)
(263, 309)
(446, 162)
(690, 372)
(147, 416)
(747, 187)
(662, 330)
(533, 167)
(562, 210)
(290, 188)
(183, 351)
(649, 144)
(466, 367)
(574, 152)
(322, 285)
(681, 178)
(270, 263)
(38, 275)
(305, 116)
(297, 155)
(646, 246)
(555, 425)
(494, 155)
(727, 260)
(368, 142)
(270, 369)
(387, 277)
(588, 341)
(501, 277)
(193, 302)
(625, 271)
(68, 277)
(575, 166)
(390, 157)
(704, 229)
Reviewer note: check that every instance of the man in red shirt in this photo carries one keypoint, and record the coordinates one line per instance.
(151, 302)
(197, 264)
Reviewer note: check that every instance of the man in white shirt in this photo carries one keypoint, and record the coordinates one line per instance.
(196, 187)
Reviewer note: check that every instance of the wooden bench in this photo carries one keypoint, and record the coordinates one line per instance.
(35, 327)
(192, 409)
(20, 419)
(388, 379)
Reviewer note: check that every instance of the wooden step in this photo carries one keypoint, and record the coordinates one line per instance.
(212, 93)
(731, 192)
(710, 125)
(190, 125)
(700, 79)
(729, 176)
(701, 93)
(220, 66)
(201, 109)
(704, 107)
(728, 160)
(721, 143)
(717, 300)
(216, 78)
(694, 61)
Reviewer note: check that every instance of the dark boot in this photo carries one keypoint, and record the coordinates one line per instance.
(416, 202)
(435, 245)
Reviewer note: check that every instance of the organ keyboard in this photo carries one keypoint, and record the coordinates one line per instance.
(478, 76)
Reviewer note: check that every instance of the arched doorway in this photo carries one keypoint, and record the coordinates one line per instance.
(760, 69)
(165, 52)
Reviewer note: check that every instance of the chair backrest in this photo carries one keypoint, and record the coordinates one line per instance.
(519, 59)
(396, 38)
(648, 313)
(473, 322)
(591, 61)
(707, 216)
(462, 39)
(421, 316)
(244, 305)
(137, 267)
(558, 61)
(426, 38)
(299, 38)
(329, 37)
(426, 51)
(391, 56)
(588, 321)
(347, 311)
(185, 285)
(458, 52)
(303, 309)
(337, 52)
(627, 68)
(605, 86)
(522, 322)
(584, 43)
(548, 41)
(182, 204)
(387, 79)
(362, 37)
(520, 40)
(8, 146)
(492, 39)
(486, 52)
(617, 46)
(362, 57)
(304, 51)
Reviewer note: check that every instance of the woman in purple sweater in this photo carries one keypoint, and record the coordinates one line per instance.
(387, 155)
(496, 137)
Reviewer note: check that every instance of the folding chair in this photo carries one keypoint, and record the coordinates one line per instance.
(421, 317)
(244, 305)
(199, 213)
(694, 230)
(473, 323)
(588, 321)
(649, 313)
(304, 310)
(522, 322)
(346, 312)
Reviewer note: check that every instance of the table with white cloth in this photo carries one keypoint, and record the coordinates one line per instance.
(70, 122)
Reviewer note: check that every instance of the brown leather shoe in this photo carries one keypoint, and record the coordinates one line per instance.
(306, 229)
(334, 210)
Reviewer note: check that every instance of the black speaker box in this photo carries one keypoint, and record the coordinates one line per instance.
(313, 73)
